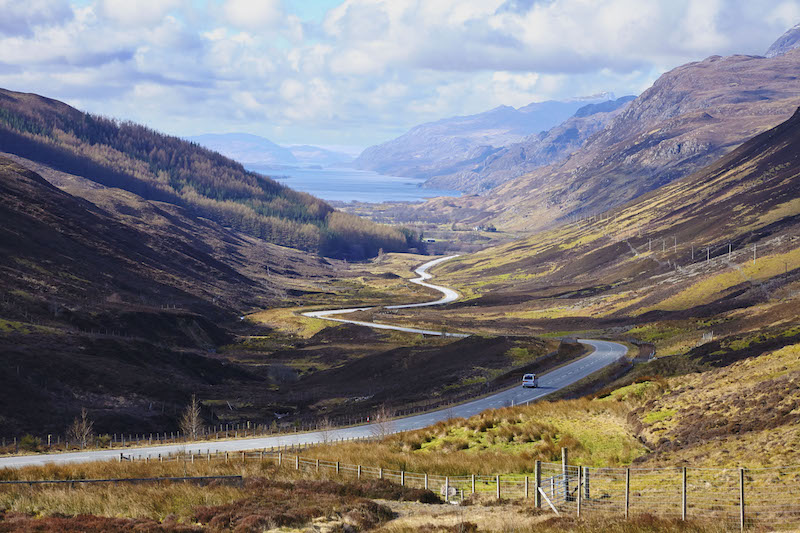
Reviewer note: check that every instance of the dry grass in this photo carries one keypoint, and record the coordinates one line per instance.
(505, 440)
(720, 417)
(522, 517)
(269, 498)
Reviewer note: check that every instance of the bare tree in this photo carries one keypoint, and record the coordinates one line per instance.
(382, 423)
(191, 422)
(325, 427)
(81, 429)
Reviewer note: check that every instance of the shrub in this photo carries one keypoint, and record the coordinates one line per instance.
(29, 443)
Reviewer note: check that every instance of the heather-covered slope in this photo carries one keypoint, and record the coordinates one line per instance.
(159, 167)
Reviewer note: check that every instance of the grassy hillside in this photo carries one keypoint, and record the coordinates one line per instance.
(159, 167)
(657, 269)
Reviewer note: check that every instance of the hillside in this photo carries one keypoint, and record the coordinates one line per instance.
(704, 272)
(537, 150)
(158, 167)
(116, 303)
(673, 269)
(246, 148)
(689, 118)
(458, 143)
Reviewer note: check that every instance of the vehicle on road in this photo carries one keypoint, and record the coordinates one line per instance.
(530, 380)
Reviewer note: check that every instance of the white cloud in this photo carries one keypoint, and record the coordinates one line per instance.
(22, 17)
(254, 14)
(370, 69)
(138, 12)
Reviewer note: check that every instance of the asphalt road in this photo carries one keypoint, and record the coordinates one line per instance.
(449, 296)
(603, 355)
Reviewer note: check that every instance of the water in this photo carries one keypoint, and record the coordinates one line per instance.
(346, 185)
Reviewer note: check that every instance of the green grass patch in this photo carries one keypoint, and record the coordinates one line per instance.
(658, 416)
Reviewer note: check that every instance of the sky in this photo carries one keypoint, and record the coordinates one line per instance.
(352, 73)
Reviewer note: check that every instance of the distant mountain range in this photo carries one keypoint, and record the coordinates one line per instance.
(690, 117)
(455, 144)
(254, 150)
(534, 151)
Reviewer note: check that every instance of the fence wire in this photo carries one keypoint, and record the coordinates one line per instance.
(760, 498)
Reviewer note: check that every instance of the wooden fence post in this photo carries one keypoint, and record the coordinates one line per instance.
(446, 489)
(380, 473)
(586, 487)
(741, 499)
(337, 467)
(426, 481)
(627, 492)
(565, 471)
(402, 478)
(497, 480)
(537, 483)
(359, 471)
(297, 462)
(317, 465)
(280, 459)
(526, 487)
(580, 490)
(683, 493)
(473, 483)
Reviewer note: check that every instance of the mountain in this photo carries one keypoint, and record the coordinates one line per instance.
(315, 156)
(246, 148)
(534, 151)
(706, 267)
(137, 159)
(114, 302)
(691, 116)
(451, 144)
(252, 150)
(788, 41)
(750, 196)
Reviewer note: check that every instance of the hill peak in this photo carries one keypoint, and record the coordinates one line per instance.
(786, 42)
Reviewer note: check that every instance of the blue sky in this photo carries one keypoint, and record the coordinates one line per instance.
(357, 72)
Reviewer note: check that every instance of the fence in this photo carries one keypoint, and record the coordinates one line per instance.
(202, 480)
(739, 498)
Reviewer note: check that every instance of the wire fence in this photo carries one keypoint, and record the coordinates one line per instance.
(738, 498)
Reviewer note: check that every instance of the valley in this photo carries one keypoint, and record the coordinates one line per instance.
(191, 342)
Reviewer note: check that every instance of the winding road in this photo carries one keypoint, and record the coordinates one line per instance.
(603, 355)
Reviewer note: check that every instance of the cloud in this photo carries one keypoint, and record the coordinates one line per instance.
(138, 12)
(254, 14)
(369, 69)
(20, 18)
